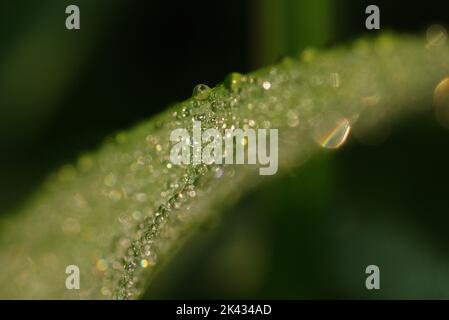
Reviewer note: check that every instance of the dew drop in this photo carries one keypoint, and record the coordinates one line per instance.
(441, 102)
(125, 243)
(217, 105)
(436, 36)
(192, 194)
(80, 202)
(266, 85)
(371, 101)
(267, 124)
(137, 215)
(219, 172)
(115, 195)
(67, 173)
(233, 103)
(199, 117)
(334, 79)
(293, 119)
(110, 180)
(131, 266)
(332, 131)
(201, 92)
(151, 139)
(121, 138)
(85, 163)
(233, 81)
(185, 112)
(105, 291)
(144, 263)
(71, 225)
(141, 197)
(102, 265)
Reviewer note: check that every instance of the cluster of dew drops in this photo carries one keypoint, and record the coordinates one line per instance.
(235, 104)
(215, 108)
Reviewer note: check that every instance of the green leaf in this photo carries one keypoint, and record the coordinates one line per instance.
(119, 214)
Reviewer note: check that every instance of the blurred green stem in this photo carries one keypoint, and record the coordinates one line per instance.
(285, 27)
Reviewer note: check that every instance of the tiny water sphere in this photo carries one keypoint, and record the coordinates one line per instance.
(201, 92)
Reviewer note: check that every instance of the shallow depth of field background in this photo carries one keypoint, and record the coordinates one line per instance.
(309, 233)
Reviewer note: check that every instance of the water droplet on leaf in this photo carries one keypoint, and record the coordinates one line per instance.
(332, 131)
(436, 36)
(266, 85)
(441, 101)
(233, 81)
(144, 263)
(201, 92)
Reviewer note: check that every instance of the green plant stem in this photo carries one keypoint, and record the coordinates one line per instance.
(119, 214)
